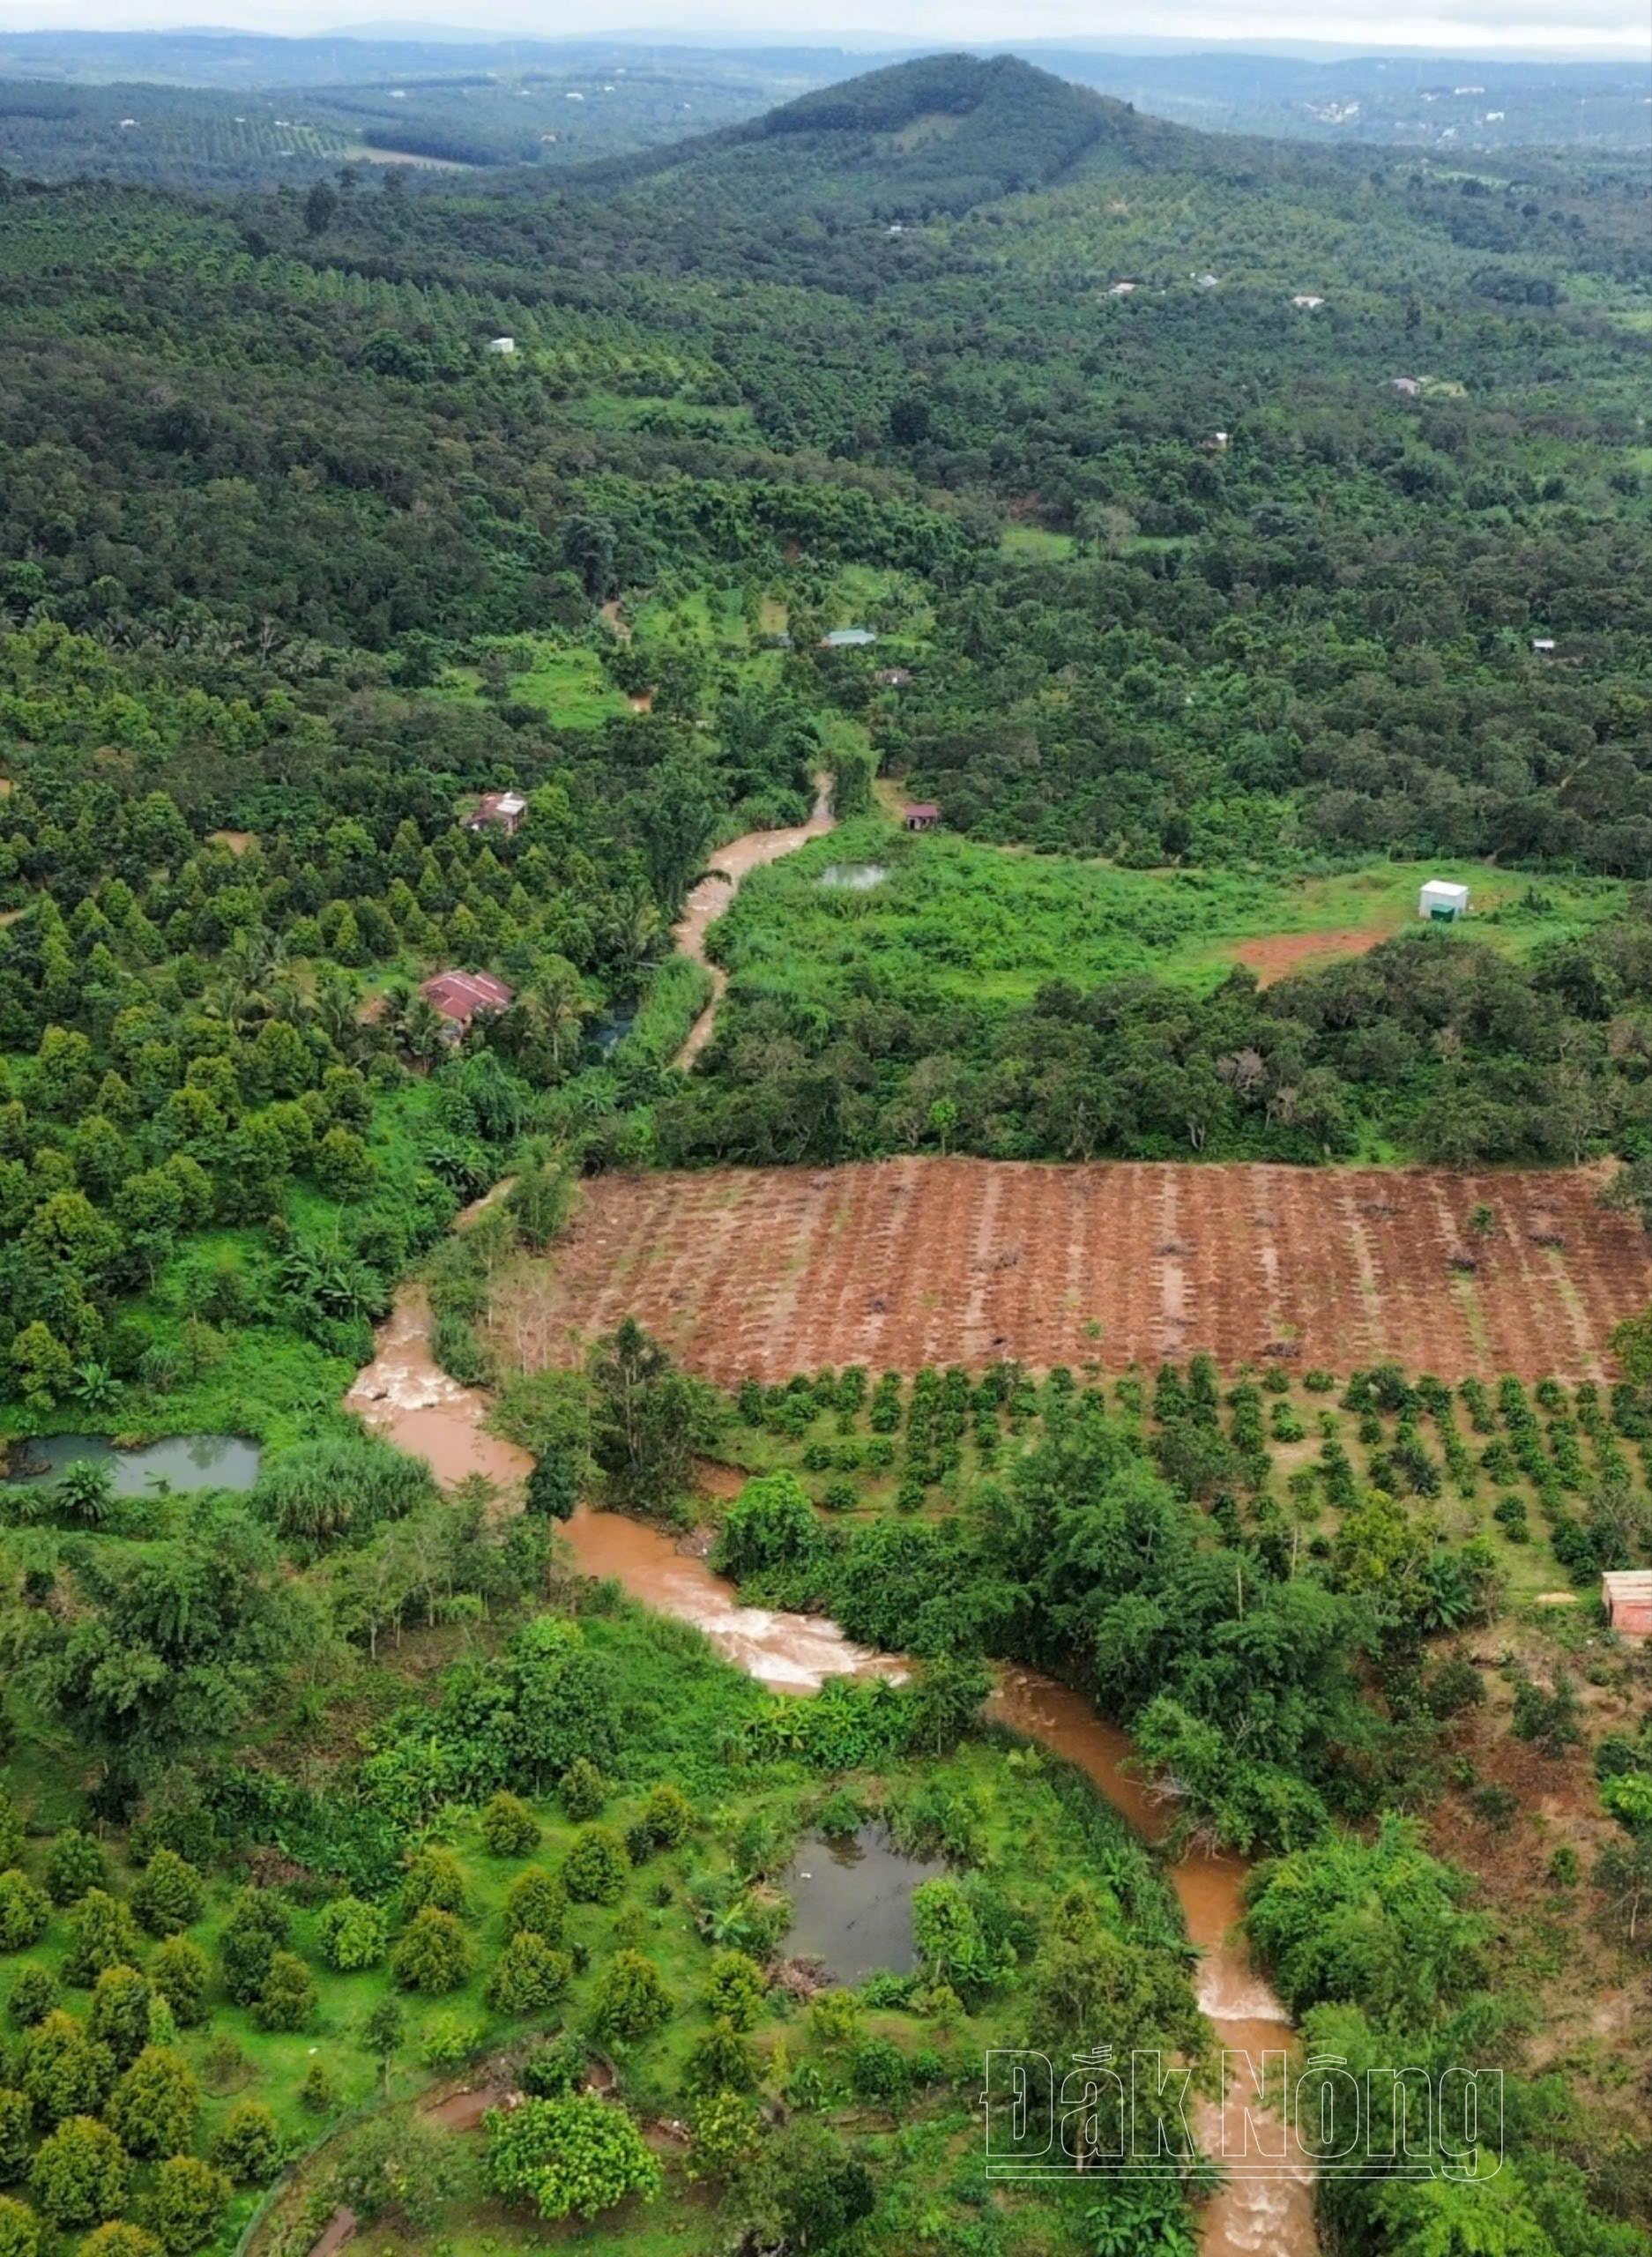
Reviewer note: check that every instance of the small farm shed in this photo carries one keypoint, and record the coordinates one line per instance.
(1442, 902)
(462, 997)
(1543, 645)
(921, 815)
(501, 345)
(1626, 1596)
(498, 811)
(848, 638)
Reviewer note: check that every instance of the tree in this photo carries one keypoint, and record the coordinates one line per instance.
(529, 1975)
(577, 2157)
(433, 1955)
(249, 2148)
(726, 2135)
(33, 1995)
(119, 2017)
(321, 207)
(178, 1972)
(25, 1911)
(536, 1904)
(721, 2060)
(17, 2133)
(287, 1996)
(169, 1894)
(186, 2204)
(20, 2228)
(507, 1827)
(735, 1989)
(582, 1790)
(381, 2034)
(353, 1935)
(73, 1864)
(80, 2174)
(259, 1924)
(153, 2109)
(630, 2000)
(119, 2238)
(1377, 1923)
(647, 1420)
(434, 1880)
(667, 1816)
(595, 1868)
(65, 2071)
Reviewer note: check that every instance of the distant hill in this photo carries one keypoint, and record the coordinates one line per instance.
(939, 134)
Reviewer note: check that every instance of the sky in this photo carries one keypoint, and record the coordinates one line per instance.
(1461, 26)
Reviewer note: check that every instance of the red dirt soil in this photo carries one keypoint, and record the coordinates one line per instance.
(896, 1263)
(1274, 955)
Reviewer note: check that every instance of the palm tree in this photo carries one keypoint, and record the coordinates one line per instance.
(555, 1007)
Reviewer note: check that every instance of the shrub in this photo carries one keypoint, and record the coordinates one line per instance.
(319, 2093)
(65, 2072)
(25, 1911)
(579, 2154)
(17, 2133)
(81, 2174)
(630, 2000)
(434, 1881)
(101, 1934)
(720, 2060)
(248, 2148)
(536, 1905)
(258, 1925)
(187, 2204)
(529, 1975)
(554, 2070)
(73, 1864)
(878, 2071)
(167, 1896)
(12, 1835)
(353, 1935)
(582, 1790)
(509, 1828)
(434, 1954)
(736, 1989)
(668, 1815)
(289, 1995)
(119, 2238)
(178, 1972)
(33, 1995)
(595, 1870)
(153, 2109)
(120, 2013)
(20, 2228)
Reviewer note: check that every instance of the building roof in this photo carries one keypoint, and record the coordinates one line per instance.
(844, 638)
(926, 810)
(499, 806)
(459, 995)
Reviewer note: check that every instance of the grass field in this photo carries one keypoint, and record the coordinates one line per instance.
(992, 924)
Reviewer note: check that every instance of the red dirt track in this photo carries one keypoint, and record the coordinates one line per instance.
(896, 1263)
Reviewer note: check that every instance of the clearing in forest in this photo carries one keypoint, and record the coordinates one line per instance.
(898, 1263)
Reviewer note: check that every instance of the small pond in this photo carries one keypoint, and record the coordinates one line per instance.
(854, 877)
(851, 1899)
(609, 1032)
(182, 1462)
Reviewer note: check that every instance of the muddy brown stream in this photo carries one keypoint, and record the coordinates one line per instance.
(406, 1395)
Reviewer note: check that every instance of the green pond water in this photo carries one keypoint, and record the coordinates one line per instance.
(182, 1462)
(851, 1902)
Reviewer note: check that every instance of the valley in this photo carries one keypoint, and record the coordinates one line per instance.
(825, 1149)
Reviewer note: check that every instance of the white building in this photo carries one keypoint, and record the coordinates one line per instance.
(501, 345)
(1543, 643)
(1442, 902)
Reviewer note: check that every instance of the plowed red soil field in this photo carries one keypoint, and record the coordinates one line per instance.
(896, 1263)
